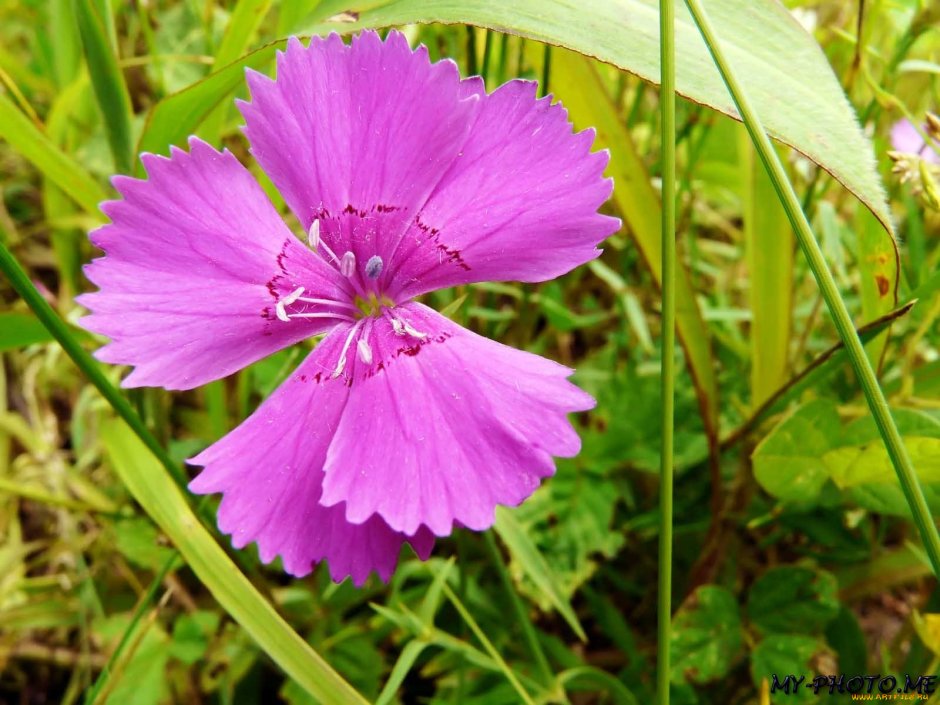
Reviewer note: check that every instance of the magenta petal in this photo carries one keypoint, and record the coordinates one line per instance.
(196, 258)
(442, 429)
(905, 138)
(270, 471)
(368, 129)
(520, 203)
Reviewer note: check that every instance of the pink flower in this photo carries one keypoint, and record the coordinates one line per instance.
(906, 139)
(405, 179)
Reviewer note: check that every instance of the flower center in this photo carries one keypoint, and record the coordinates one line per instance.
(372, 305)
(363, 312)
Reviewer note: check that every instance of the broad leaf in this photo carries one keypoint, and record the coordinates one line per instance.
(706, 636)
(786, 74)
(795, 91)
(783, 655)
(788, 462)
(794, 600)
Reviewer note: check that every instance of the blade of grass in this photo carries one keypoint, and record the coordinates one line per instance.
(522, 548)
(404, 664)
(143, 604)
(813, 374)
(667, 111)
(164, 502)
(837, 308)
(487, 645)
(107, 80)
(768, 241)
(177, 116)
(241, 28)
(39, 150)
(522, 616)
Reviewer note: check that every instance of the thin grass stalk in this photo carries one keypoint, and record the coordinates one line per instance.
(830, 292)
(667, 107)
(528, 629)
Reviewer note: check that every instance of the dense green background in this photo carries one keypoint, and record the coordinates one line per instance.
(793, 553)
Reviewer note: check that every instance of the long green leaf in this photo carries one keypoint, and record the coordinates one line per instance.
(176, 117)
(107, 81)
(769, 243)
(792, 84)
(815, 118)
(28, 139)
(164, 502)
(585, 96)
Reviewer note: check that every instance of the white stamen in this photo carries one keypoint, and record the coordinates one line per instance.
(365, 351)
(341, 363)
(340, 316)
(328, 302)
(280, 308)
(414, 333)
(374, 267)
(313, 235)
(402, 327)
(348, 264)
(316, 242)
(293, 296)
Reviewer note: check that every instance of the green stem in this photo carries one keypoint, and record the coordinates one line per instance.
(528, 629)
(546, 70)
(830, 292)
(85, 362)
(667, 107)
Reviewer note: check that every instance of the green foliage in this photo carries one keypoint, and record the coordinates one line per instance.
(707, 635)
(794, 552)
(793, 600)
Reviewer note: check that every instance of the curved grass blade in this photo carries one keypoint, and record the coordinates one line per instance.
(816, 118)
(820, 368)
(27, 139)
(165, 504)
(177, 116)
(107, 80)
(535, 566)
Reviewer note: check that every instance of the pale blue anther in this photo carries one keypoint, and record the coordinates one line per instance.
(374, 267)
